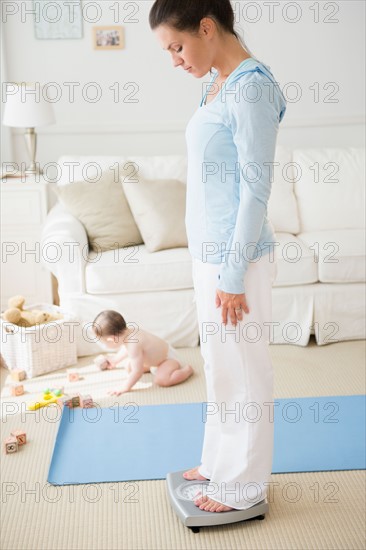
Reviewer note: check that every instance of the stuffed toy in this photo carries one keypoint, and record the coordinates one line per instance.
(26, 318)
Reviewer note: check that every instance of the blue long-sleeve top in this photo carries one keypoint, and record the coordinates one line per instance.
(231, 144)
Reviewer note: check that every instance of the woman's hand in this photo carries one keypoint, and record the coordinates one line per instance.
(232, 304)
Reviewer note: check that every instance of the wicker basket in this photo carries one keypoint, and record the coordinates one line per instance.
(40, 349)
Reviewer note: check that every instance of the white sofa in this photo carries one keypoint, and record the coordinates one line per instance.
(317, 211)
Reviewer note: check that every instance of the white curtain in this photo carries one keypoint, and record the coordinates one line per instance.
(6, 154)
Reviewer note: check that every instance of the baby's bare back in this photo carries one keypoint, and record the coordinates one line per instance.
(154, 349)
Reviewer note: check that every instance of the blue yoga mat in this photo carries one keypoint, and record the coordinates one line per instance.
(130, 443)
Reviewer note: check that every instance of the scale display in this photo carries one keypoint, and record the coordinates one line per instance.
(190, 491)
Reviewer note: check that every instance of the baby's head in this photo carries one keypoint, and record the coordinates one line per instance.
(110, 327)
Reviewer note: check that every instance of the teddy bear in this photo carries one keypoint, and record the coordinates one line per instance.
(27, 318)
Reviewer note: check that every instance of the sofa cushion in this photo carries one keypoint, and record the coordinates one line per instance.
(158, 207)
(330, 188)
(282, 207)
(103, 210)
(340, 254)
(136, 270)
(295, 261)
(150, 167)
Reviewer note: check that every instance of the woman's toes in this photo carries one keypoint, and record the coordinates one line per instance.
(200, 502)
(211, 506)
(204, 503)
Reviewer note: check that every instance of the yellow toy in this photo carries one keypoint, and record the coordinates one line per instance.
(48, 397)
(26, 317)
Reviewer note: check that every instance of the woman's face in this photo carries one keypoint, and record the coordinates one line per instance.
(190, 52)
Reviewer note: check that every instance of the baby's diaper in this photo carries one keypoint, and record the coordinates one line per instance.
(172, 354)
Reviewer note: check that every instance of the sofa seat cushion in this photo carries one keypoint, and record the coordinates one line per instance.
(295, 261)
(340, 254)
(134, 269)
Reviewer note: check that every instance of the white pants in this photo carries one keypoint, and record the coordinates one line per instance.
(238, 443)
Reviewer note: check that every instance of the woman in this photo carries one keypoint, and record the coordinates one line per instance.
(231, 141)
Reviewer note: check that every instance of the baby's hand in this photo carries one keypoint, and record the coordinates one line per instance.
(124, 389)
(111, 364)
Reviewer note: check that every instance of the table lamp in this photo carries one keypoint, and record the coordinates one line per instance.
(26, 108)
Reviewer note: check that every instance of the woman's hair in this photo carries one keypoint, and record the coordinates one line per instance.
(109, 323)
(186, 15)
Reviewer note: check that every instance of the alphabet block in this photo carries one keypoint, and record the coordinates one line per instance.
(20, 436)
(86, 401)
(72, 375)
(102, 362)
(10, 445)
(17, 389)
(17, 375)
(75, 400)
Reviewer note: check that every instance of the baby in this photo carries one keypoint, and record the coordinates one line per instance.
(142, 348)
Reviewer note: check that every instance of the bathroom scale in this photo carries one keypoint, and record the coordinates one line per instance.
(182, 494)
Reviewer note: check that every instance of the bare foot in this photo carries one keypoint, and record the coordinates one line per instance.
(209, 505)
(194, 474)
(188, 369)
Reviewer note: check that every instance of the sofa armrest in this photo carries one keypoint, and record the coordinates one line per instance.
(65, 250)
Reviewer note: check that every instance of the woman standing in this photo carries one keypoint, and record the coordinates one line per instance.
(231, 142)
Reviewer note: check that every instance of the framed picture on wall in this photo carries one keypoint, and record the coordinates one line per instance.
(108, 38)
(55, 20)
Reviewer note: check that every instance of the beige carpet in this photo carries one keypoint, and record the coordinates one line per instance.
(324, 510)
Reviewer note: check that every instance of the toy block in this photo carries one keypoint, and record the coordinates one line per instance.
(10, 445)
(17, 375)
(21, 436)
(17, 389)
(71, 402)
(72, 375)
(102, 362)
(86, 401)
(75, 400)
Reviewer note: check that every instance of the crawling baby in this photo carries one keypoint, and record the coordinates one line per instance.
(144, 350)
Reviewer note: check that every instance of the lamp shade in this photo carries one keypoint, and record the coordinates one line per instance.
(26, 106)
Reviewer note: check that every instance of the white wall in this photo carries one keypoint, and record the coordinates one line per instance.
(304, 52)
